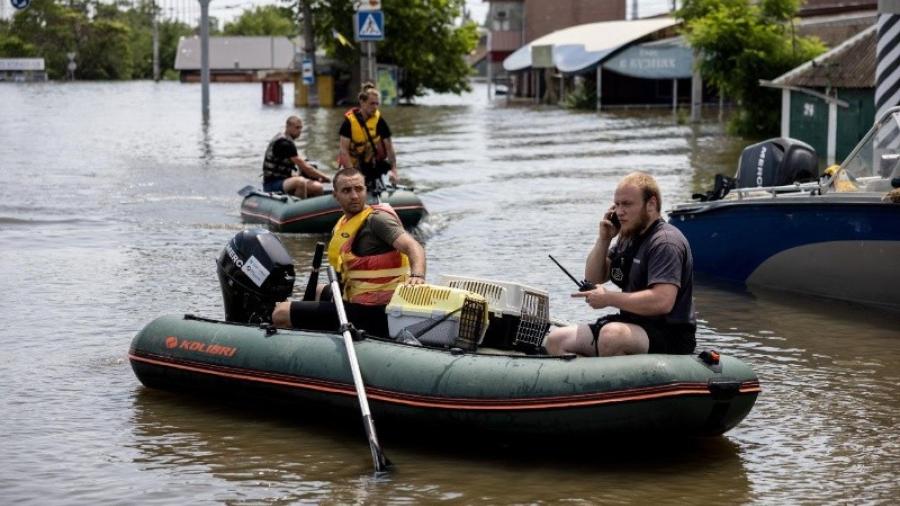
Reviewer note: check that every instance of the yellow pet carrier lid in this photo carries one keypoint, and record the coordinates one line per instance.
(434, 302)
(427, 298)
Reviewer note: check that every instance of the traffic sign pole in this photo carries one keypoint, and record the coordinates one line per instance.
(368, 21)
(309, 47)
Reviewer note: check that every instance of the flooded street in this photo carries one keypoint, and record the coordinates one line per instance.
(117, 199)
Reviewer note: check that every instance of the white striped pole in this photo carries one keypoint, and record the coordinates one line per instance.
(887, 77)
(887, 74)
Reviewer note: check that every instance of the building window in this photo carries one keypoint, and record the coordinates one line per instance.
(505, 16)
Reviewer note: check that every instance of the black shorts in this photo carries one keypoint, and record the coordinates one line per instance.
(319, 315)
(274, 185)
(669, 338)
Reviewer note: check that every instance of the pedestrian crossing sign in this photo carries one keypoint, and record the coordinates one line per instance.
(369, 25)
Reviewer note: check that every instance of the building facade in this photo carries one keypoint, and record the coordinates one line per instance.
(829, 102)
(511, 24)
(20, 70)
(238, 59)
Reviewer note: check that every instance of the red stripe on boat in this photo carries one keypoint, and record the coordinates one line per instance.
(522, 404)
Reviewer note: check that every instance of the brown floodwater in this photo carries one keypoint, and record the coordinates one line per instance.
(116, 199)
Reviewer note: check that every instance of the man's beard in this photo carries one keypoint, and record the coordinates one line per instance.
(634, 229)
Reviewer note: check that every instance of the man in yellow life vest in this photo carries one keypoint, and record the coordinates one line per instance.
(372, 254)
(365, 139)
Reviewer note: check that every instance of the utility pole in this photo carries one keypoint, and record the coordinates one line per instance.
(154, 9)
(204, 57)
(696, 89)
(309, 49)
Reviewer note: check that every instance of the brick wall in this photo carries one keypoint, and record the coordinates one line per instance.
(545, 16)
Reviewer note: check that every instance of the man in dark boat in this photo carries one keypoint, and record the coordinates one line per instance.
(365, 139)
(651, 262)
(282, 160)
(372, 254)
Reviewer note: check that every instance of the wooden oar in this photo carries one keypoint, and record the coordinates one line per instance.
(381, 462)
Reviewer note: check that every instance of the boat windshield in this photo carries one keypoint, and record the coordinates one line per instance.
(876, 159)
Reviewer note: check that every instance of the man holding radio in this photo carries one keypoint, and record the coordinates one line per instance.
(651, 262)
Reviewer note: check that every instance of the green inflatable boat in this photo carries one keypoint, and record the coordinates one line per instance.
(511, 394)
(317, 215)
(467, 355)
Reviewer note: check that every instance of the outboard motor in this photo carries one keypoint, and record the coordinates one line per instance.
(777, 162)
(255, 272)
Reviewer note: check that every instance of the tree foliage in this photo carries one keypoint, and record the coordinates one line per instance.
(114, 40)
(741, 43)
(265, 20)
(421, 38)
(109, 40)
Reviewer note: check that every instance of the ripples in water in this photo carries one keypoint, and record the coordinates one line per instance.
(128, 226)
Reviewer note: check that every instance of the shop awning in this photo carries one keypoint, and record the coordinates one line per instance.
(660, 59)
(579, 48)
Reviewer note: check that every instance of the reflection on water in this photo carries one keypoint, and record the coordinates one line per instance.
(267, 454)
(829, 400)
(116, 211)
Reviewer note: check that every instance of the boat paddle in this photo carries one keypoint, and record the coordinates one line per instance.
(381, 462)
(252, 190)
(312, 284)
(247, 190)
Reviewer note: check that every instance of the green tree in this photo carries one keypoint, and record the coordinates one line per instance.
(11, 46)
(269, 20)
(103, 50)
(422, 38)
(170, 32)
(110, 40)
(741, 43)
(48, 29)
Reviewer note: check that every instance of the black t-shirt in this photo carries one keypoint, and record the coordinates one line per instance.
(284, 149)
(664, 257)
(381, 129)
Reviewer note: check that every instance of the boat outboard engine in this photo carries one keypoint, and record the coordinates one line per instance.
(255, 271)
(777, 162)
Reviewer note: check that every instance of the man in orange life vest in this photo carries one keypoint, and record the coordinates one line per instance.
(366, 139)
(372, 254)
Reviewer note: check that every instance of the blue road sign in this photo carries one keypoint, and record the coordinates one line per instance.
(20, 4)
(369, 25)
(309, 77)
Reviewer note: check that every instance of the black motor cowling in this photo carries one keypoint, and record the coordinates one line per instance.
(255, 271)
(777, 162)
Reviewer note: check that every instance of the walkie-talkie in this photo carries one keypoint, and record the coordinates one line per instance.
(583, 285)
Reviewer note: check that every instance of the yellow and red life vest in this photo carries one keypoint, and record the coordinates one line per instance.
(360, 148)
(371, 279)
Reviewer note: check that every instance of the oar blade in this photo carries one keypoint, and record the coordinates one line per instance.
(381, 462)
(247, 190)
